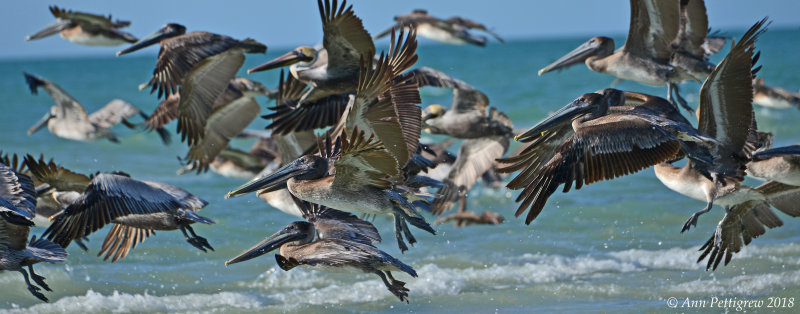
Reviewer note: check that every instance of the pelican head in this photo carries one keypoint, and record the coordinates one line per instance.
(167, 31)
(586, 107)
(296, 233)
(308, 167)
(598, 47)
(432, 112)
(302, 55)
(249, 87)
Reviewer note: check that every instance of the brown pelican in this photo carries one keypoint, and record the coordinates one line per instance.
(598, 137)
(469, 115)
(85, 29)
(773, 97)
(331, 241)
(17, 203)
(200, 63)
(69, 120)
(454, 30)
(345, 41)
(363, 173)
(725, 113)
(136, 208)
(745, 221)
(645, 58)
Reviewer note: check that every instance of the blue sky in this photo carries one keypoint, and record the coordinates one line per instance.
(296, 22)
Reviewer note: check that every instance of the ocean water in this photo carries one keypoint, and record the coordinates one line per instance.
(612, 246)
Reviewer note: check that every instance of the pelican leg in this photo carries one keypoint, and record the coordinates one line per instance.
(79, 243)
(196, 240)
(33, 289)
(693, 220)
(38, 279)
(673, 88)
(394, 287)
(398, 234)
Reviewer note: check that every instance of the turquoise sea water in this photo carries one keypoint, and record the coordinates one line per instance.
(612, 246)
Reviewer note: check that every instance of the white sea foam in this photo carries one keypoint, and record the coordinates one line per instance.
(124, 302)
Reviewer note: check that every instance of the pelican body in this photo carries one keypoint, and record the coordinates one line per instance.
(345, 246)
(85, 29)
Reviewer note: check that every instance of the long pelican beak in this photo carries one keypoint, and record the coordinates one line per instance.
(150, 40)
(288, 58)
(564, 115)
(51, 29)
(273, 242)
(579, 55)
(271, 181)
(41, 123)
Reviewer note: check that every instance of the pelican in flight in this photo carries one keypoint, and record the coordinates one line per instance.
(598, 136)
(202, 64)
(363, 172)
(745, 221)
(17, 204)
(85, 29)
(726, 114)
(773, 97)
(454, 30)
(136, 208)
(69, 120)
(345, 41)
(331, 241)
(486, 131)
(645, 57)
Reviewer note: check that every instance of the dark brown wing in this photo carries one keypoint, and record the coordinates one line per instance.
(200, 88)
(364, 161)
(693, 27)
(385, 107)
(180, 54)
(166, 111)
(726, 109)
(601, 149)
(310, 115)
(654, 24)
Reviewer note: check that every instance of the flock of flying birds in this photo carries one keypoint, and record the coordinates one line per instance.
(345, 138)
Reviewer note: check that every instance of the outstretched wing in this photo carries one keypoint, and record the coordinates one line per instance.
(68, 107)
(113, 113)
(108, 197)
(654, 24)
(336, 224)
(58, 177)
(726, 108)
(344, 36)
